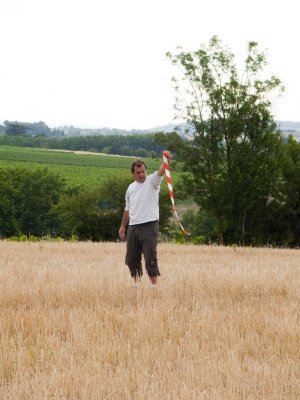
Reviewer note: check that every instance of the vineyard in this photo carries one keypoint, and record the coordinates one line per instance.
(76, 169)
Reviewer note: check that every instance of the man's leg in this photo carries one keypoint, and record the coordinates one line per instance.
(149, 249)
(133, 254)
(153, 280)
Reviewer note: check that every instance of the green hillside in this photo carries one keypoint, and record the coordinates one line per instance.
(87, 169)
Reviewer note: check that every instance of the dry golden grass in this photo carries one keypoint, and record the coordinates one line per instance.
(224, 323)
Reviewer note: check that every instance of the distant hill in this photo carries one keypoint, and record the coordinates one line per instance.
(76, 131)
(288, 127)
(40, 128)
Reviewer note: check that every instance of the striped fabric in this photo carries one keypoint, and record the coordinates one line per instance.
(169, 182)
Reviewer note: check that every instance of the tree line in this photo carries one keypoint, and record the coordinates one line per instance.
(16, 128)
(41, 204)
(139, 145)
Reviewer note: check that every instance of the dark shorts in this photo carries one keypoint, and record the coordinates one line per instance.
(142, 240)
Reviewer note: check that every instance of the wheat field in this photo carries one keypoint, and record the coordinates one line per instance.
(223, 323)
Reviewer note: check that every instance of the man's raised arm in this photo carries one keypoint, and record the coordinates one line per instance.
(161, 170)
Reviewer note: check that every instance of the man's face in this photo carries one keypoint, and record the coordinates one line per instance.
(140, 173)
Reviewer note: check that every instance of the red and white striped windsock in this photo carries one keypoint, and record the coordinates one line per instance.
(169, 182)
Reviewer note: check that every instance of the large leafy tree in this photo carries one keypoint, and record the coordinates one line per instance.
(279, 224)
(26, 200)
(231, 143)
(79, 212)
(291, 191)
(15, 128)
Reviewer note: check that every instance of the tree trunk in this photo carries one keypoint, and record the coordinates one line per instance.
(243, 227)
(220, 239)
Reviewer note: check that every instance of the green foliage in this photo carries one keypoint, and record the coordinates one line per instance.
(13, 238)
(232, 147)
(165, 213)
(76, 169)
(40, 136)
(23, 238)
(198, 240)
(153, 154)
(33, 238)
(142, 153)
(77, 213)
(201, 225)
(26, 199)
(17, 129)
(279, 222)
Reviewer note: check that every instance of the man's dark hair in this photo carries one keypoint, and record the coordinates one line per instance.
(138, 164)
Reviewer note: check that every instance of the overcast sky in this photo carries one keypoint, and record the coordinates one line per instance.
(102, 62)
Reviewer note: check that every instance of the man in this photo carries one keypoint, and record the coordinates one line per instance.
(142, 214)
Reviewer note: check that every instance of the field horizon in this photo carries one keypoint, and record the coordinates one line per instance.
(223, 323)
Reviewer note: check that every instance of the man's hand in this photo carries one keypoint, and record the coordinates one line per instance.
(125, 220)
(167, 154)
(122, 233)
(161, 170)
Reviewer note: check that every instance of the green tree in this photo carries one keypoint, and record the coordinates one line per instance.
(142, 153)
(200, 224)
(279, 223)
(27, 198)
(231, 143)
(78, 214)
(15, 128)
(126, 150)
(291, 173)
(9, 222)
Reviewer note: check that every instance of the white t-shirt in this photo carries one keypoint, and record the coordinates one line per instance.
(142, 200)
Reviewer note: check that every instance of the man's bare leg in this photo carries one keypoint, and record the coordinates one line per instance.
(153, 280)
